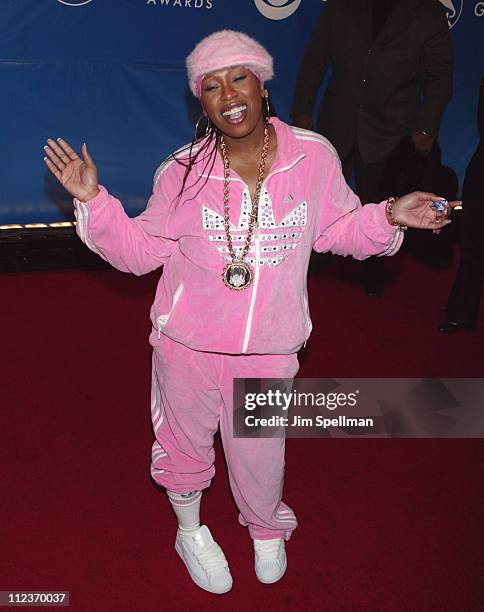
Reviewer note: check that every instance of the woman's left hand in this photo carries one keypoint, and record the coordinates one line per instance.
(414, 210)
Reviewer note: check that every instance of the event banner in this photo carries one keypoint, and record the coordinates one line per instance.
(363, 407)
(111, 73)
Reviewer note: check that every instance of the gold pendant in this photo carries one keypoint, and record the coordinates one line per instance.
(238, 275)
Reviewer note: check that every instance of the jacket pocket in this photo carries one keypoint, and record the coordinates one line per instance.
(163, 319)
(309, 324)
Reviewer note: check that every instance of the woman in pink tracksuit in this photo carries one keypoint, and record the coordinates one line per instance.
(233, 219)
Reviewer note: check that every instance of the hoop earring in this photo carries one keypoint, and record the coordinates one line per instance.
(208, 127)
(267, 107)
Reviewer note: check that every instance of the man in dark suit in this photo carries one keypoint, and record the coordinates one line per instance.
(391, 80)
(462, 310)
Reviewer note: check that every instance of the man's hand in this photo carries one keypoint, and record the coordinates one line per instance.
(423, 143)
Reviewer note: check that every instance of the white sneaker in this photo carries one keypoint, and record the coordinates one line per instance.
(270, 560)
(204, 559)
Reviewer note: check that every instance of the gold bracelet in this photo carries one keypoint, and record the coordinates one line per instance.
(389, 210)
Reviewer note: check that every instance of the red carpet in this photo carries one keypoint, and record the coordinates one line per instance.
(385, 525)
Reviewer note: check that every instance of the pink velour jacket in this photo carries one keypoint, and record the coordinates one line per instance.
(305, 204)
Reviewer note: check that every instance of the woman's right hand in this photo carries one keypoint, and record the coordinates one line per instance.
(78, 176)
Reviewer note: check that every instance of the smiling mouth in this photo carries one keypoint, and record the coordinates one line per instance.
(235, 114)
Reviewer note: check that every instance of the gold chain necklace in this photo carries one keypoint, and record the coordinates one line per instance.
(238, 274)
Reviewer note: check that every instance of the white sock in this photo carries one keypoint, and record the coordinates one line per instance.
(187, 509)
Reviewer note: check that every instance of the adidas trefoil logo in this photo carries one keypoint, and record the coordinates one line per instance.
(277, 239)
(297, 217)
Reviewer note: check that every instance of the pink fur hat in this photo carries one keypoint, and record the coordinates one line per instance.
(227, 48)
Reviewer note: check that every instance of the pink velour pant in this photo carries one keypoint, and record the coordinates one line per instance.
(191, 397)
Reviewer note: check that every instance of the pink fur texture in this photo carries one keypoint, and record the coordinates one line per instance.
(227, 48)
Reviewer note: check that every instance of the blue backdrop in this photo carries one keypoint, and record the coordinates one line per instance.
(111, 73)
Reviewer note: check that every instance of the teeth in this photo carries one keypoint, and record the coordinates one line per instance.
(234, 111)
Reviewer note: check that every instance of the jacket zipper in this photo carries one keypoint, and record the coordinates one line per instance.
(254, 291)
(162, 320)
(250, 315)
